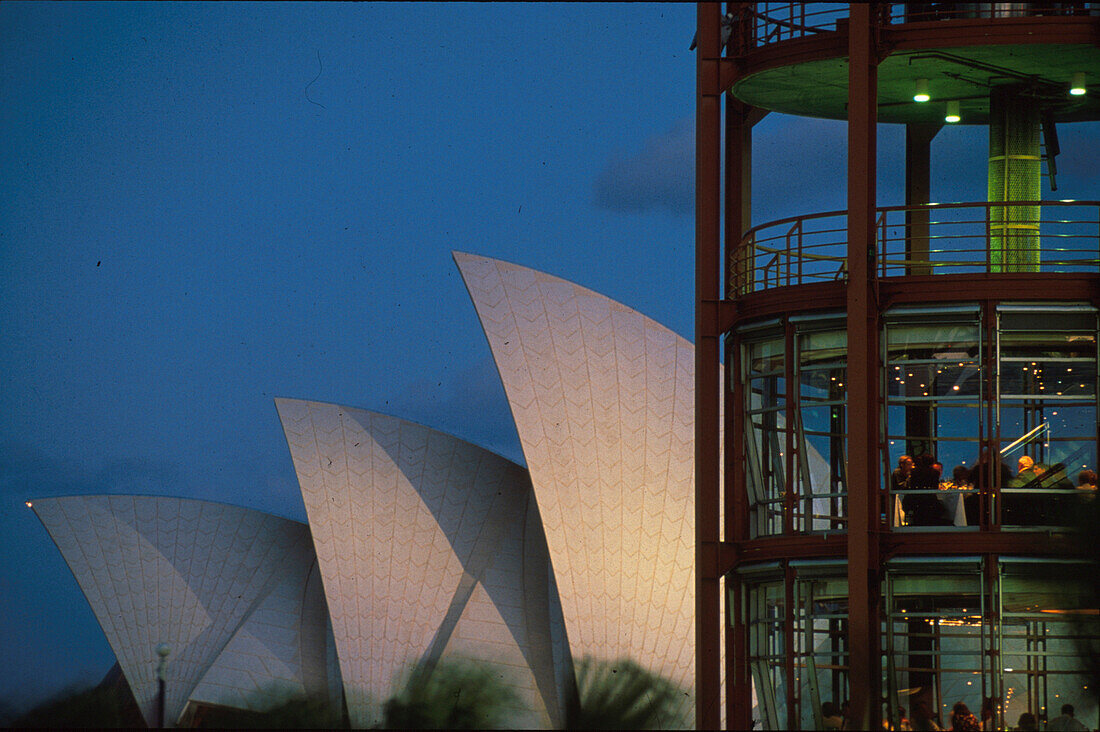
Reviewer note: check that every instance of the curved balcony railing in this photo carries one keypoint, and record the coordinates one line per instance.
(763, 23)
(950, 238)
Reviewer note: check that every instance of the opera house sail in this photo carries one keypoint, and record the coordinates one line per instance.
(602, 398)
(234, 593)
(421, 548)
(429, 547)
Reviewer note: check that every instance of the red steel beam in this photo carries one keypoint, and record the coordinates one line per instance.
(708, 269)
(738, 188)
(864, 678)
(918, 289)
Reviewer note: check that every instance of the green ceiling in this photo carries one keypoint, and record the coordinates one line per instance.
(820, 88)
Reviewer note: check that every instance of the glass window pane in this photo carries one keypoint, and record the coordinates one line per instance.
(766, 356)
(940, 379)
(947, 342)
(823, 347)
(1044, 377)
(766, 435)
(822, 384)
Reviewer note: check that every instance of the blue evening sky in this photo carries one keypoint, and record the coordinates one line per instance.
(205, 206)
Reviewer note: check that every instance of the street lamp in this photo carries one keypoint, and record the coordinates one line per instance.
(163, 649)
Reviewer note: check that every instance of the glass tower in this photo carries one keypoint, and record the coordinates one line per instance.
(896, 469)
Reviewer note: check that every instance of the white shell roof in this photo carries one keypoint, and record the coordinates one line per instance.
(428, 547)
(226, 588)
(603, 400)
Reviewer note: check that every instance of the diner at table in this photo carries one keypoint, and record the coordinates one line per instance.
(1036, 495)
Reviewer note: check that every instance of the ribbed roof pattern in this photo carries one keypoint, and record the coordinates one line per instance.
(428, 546)
(223, 586)
(603, 400)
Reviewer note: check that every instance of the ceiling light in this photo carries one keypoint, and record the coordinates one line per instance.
(922, 94)
(1077, 88)
(952, 112)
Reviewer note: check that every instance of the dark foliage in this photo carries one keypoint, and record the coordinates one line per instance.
(287, 712)
(623, 695)
(452, 695)
(101, 706)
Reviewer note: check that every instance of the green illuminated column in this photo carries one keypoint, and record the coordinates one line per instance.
(1015, 174)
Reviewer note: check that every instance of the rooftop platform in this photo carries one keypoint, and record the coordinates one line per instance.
(792, 58)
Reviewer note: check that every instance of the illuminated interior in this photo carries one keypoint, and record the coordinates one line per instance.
(962, 383)
(1008, 635)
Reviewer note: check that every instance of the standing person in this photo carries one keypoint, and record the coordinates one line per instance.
(1027, 723)
(1066, 722)
(830, 717)
(922, 718)
(962, 720)
(987, 714)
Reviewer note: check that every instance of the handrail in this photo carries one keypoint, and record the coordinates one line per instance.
(763, 23)
(969, 237)
(774, 22)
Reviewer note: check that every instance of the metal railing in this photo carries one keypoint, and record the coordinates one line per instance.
(949, 238)
(763, 23)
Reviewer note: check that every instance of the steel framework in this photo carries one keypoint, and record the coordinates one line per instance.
(861, 261)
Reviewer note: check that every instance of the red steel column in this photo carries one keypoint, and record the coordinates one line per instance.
(738, 179)
(708, 277)
(863, 440)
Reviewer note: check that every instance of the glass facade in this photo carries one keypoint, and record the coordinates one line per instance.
(796, 446)
(1046, 407)
(989, 418)
(1007, 636)
(933, 414)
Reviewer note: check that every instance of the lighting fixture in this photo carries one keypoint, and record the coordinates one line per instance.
(952, 112)
(922, 94)
(1077, 87)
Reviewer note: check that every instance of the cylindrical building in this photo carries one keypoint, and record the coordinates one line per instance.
(908, 515)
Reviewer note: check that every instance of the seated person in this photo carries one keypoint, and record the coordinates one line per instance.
(1023, 509)
(1081, 510)
(982, 475)
(899, 479)
(926, 509)
(1027, 470)
(1086, 485)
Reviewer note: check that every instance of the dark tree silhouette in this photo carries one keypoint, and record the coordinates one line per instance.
(294, 711)
(623, 695)
(452, 694)
(105, 705)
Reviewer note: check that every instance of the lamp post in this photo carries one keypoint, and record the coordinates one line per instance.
(163, 649)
